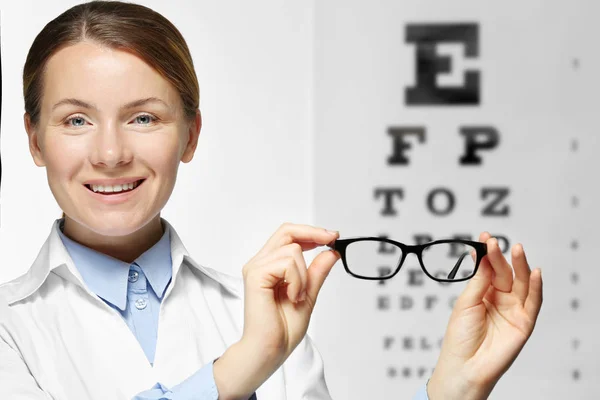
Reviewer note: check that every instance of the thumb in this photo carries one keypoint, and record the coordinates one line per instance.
(533, 304)
(477, 286)
(319, 270)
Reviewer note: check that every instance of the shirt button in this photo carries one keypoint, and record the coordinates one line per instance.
(133, 276)
(140, 304)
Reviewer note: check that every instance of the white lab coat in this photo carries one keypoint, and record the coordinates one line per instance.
(60, 341)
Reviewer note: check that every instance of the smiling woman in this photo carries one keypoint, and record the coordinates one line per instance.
(114, 307)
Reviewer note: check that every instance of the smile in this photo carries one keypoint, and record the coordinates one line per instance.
(114, 189)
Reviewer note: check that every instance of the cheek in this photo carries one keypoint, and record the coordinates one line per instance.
(63, 157)
(161, 152)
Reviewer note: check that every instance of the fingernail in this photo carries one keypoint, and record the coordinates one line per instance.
(302, 296)
(331, 232)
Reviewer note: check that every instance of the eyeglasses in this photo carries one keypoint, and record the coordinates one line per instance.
(452, 260)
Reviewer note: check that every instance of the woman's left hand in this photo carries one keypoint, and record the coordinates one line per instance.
(491, 322)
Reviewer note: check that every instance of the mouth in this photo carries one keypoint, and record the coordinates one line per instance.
(114, 189)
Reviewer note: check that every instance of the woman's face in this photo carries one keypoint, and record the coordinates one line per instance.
(108, 119)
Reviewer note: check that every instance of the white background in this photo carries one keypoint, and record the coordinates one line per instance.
(296, 99)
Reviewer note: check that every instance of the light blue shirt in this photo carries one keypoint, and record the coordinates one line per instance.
(421, 394)
(135, 291)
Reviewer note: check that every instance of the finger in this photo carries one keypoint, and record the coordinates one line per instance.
(533, 304)
(295, 250)
(522, 272)
(291, 250)
(296, 233)
(477, 287)
(483, 237)
(274, 273)
(291, 277)
(306, 246)
(319, 270)
(294, 280)
(503, 274)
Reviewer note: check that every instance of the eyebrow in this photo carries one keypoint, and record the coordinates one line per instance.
(133, 104)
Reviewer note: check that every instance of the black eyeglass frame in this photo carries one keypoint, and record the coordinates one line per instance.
(340, 246)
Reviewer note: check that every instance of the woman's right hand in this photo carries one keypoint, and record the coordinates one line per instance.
(280, 293)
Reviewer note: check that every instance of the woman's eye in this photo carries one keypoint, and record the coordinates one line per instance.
(76, 121)
(144, 119)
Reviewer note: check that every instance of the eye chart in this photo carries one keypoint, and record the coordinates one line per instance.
(441, 120)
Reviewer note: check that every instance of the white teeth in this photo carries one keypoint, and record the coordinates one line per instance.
(114, 188)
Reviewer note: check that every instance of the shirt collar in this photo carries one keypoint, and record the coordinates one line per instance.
(156, 263)
(107, 276)
(53, 257)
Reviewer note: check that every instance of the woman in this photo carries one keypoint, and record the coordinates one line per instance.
(114, 307)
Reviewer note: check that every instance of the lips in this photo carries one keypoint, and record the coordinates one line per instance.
(137, 184)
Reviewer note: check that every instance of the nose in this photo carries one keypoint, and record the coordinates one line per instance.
(111, 148)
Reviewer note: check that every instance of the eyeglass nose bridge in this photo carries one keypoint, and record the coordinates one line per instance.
(416, 249)
(406, 250)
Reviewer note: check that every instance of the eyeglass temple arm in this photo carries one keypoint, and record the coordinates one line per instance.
(452, 273)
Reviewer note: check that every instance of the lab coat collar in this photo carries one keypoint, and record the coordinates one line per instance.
(53, 257)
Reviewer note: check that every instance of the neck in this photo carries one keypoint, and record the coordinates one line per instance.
(125, 248)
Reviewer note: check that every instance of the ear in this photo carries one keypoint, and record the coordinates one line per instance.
(193, 135)
(34, 147)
